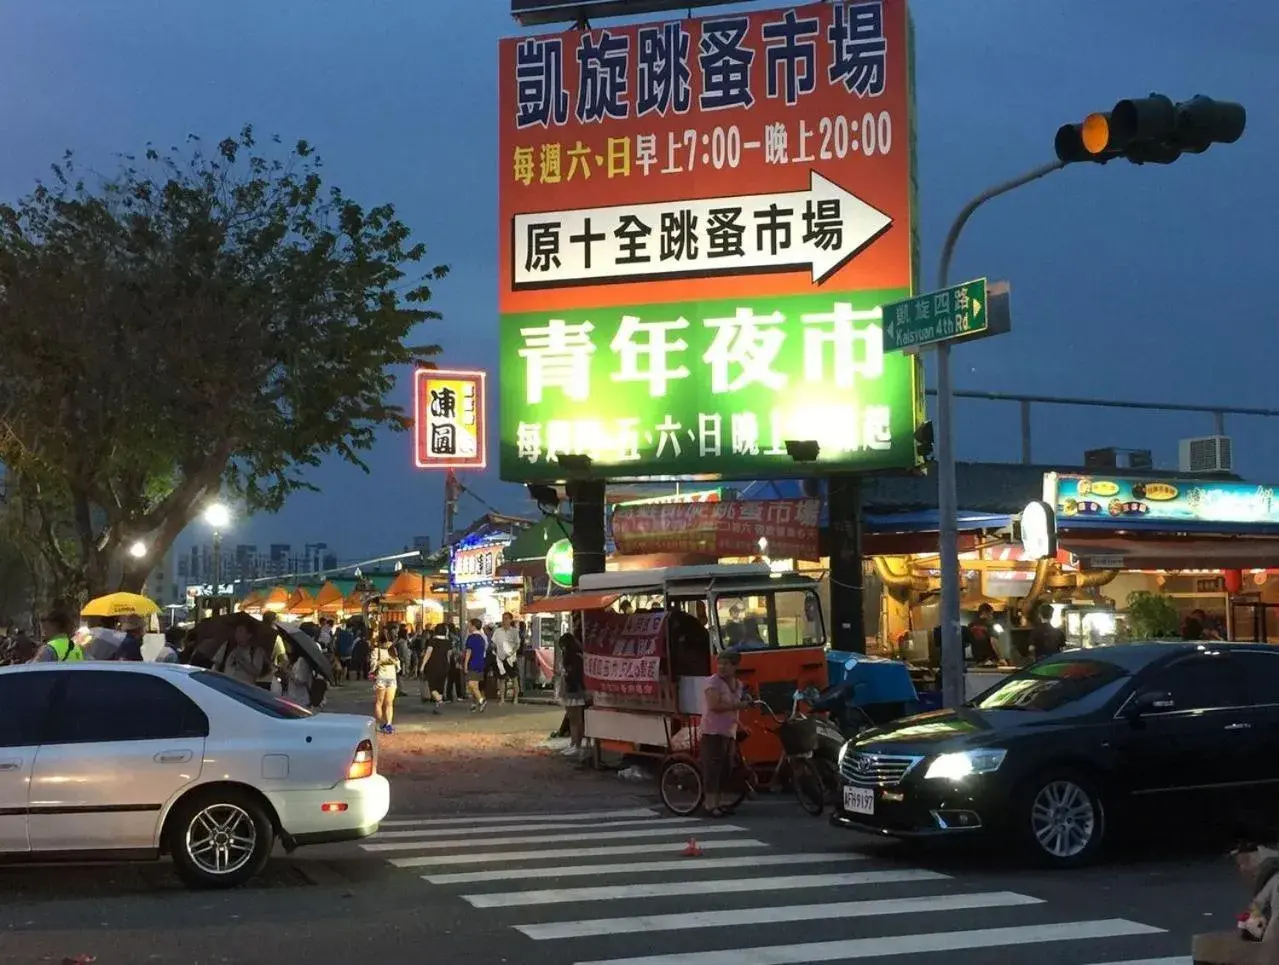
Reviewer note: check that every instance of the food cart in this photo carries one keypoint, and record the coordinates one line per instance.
(646, 669)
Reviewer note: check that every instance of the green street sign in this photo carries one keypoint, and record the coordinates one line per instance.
(954, 313)
(559, 562)
(706, 389)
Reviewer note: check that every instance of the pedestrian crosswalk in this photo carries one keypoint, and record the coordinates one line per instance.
(620, 887)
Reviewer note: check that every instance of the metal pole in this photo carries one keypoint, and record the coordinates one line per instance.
(216, 606)
(952, 648)
(449, 507)
(1025, 433)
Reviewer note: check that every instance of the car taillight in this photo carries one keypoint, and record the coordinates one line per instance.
(362, 762)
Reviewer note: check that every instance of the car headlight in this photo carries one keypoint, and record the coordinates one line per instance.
(957, 766)
(843, 752)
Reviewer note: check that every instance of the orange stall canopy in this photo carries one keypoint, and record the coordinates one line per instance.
(277, 599)
(301, 603)
(251, 602)
(574, 601)
(329, 599)
(407, 588)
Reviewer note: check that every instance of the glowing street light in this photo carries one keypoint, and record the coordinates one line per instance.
(218, 517)
(138, 550)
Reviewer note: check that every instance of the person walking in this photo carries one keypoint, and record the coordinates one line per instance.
(573, 666)
(386, 677)
(506, 644)
(476, 658)
(434, 667)
(724, 701)
(56, 628)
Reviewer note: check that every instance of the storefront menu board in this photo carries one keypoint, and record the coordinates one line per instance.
(624, 652)
(1209, 501)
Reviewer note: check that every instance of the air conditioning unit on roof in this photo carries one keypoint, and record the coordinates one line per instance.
(1206, 454)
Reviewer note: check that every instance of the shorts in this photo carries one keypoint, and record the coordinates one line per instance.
(474, 677)
(435, 681)
(385, 684)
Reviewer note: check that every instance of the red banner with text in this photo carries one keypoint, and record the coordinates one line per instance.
(787, 527)
(624, 652)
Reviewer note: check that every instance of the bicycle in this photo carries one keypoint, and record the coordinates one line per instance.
(798, 734)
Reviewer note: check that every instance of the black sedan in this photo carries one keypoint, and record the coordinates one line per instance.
(1056, 755)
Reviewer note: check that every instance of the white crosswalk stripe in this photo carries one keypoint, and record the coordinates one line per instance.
(634, 861)
(551, 854)
(638, 867)
(759, 916)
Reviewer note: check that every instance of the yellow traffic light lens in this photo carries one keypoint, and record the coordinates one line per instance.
(1095, 133)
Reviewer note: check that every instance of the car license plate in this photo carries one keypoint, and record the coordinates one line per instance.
(859, 800)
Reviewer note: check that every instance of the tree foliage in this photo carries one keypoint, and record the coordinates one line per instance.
(200, 319)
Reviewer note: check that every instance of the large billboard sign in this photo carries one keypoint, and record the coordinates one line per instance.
(448, 416)
(699, 222)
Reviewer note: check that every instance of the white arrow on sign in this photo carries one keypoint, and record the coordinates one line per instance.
(819, 229)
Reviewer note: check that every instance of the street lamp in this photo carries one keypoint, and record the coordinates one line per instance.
(218, 517)
(138, 550)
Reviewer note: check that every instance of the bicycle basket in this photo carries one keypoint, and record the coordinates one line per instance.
(798, 735)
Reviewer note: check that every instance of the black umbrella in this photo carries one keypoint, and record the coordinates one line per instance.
(308, 648)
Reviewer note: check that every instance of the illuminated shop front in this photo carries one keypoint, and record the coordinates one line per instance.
(1136, 556)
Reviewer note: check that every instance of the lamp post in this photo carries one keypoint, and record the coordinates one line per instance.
(218, 517)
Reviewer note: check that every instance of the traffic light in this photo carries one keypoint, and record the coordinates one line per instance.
(1151, 130)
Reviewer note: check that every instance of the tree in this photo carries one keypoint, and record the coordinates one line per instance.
(197, 321)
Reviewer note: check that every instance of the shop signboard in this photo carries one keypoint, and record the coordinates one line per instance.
(1038, 531)
(1086, 497)
(699, 221)
(788, 527)
(479, 565)
(449, 428)
(623, 652)
(559, 562)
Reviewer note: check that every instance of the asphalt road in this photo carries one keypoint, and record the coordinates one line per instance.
(611, 887)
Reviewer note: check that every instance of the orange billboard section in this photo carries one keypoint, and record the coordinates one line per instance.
(789, 108)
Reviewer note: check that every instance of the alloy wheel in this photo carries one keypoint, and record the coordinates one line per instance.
(221, 839)
(1063, 819)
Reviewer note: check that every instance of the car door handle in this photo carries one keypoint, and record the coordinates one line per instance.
(1238, 727)
(173, 757)
(10, 765)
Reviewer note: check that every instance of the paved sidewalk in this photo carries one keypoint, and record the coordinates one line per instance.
(460, 761)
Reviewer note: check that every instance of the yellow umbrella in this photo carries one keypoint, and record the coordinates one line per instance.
(119, 605)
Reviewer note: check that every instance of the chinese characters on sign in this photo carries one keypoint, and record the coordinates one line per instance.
(624, 652)
(449, 420)
(790, 527)
(816, 230)
(705, 388)
(473, 565)
(674, 196)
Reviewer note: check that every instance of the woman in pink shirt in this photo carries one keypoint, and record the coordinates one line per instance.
(724, 700)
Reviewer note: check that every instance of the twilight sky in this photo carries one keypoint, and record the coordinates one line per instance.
(1146, 284)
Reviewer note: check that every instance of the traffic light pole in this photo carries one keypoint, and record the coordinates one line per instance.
(952, 648)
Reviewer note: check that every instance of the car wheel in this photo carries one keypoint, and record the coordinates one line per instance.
(1062, 818)
(219, 839)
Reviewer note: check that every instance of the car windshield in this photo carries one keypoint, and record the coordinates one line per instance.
(263, 701)
(1053, 685)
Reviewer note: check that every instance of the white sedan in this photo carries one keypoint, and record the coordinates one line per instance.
(123, 761)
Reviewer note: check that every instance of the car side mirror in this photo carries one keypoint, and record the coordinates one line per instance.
(1153, 702)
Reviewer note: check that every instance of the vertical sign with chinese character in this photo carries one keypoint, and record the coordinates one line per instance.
(699, 222)
(448, 412)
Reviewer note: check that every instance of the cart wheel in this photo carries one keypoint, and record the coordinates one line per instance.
(807, 785)
(680, 785)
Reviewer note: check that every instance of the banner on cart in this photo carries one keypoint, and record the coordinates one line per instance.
(624, 652)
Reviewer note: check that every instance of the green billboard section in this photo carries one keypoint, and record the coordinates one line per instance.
(710, 388)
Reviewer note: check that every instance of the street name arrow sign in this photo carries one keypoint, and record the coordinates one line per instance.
(817, 230)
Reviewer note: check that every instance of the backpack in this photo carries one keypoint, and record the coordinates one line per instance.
(319, 687)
